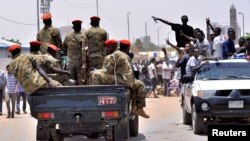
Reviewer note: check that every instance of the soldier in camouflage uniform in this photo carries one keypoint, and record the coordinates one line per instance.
(116, 69)
(27, 72)
(137, 91)
(48, 63)
(96, 37)
(49, 35)
(74, 45)
(62, 78)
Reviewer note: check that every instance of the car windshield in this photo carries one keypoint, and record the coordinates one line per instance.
(224, 71)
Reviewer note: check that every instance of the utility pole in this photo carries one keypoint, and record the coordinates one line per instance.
(38, 17)
(128, 25)
(146, 33)
(158, 36)
(97, 7)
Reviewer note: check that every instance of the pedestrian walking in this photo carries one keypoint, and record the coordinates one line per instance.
(20, 93)
(11, 83)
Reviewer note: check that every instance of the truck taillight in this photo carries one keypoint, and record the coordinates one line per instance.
(110, 114)
(45, 115)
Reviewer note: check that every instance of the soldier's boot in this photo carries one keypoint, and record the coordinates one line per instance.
(8, 116)
(142, 113)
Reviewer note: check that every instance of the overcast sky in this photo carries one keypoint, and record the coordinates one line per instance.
(113, 15)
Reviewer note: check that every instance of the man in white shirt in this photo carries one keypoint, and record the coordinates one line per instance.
(203, 43)
(240, 47)
(153, 75)
(194, 63)
(217, 43)
(159, 73)
(166, 75)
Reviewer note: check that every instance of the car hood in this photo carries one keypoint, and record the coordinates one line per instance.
(221, 84)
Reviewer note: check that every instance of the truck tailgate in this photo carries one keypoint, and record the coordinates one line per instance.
(88, 101)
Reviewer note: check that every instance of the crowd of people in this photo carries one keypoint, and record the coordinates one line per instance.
(195, 49)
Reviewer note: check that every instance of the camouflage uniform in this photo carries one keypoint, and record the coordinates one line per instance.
(96, 37)
(75, 43)
(47, 36)
(115, 64)
(138, 95)
(123, 70)
(29, 78)
(137, 91)
(47, 62)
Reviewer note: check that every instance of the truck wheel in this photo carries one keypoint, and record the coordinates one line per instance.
(197, 122)
(42, 132)
(186, 117)
(134, 126)
(121, 131)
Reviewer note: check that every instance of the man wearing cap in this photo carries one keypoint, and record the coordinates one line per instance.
(116, 68)
(48, 63)
(96, 37)
(137, 91)
(49, 34)
(63, 77)
(27, 72)
(74, 45)
(115, 63)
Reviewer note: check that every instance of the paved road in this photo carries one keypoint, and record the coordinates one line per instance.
(164, 125)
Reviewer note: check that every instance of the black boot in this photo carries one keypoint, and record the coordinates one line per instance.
(12, 115)
(8, 116)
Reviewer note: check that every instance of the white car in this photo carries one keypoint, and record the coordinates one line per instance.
(219, 93)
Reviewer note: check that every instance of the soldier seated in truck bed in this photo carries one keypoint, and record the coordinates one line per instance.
(27, 72)
(116, 69)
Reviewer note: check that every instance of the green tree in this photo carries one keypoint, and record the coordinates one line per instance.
(138, 44)
(247, 35)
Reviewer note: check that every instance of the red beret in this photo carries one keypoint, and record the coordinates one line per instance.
(125, 43)
(13, 47)
(35, 43)
(46, 16)
(110, 42)
(76, 22)
(55, 48)
(95, 18)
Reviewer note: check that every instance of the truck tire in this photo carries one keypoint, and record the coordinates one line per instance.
(197, 122)
(186, 117)
(134, 126)
(42, 132)
(121, 131)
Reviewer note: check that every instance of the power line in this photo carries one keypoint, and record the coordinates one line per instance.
(111, 20)
(76, 6)
(12, 21)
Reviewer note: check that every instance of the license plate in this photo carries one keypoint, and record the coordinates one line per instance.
(235, 104)
(107, 100)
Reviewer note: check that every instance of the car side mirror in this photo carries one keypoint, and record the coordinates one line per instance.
(187, 78)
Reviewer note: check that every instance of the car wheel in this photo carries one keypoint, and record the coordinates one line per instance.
(197, 122)
(186, 117)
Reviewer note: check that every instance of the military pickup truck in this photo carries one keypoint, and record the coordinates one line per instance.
(92, 111)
